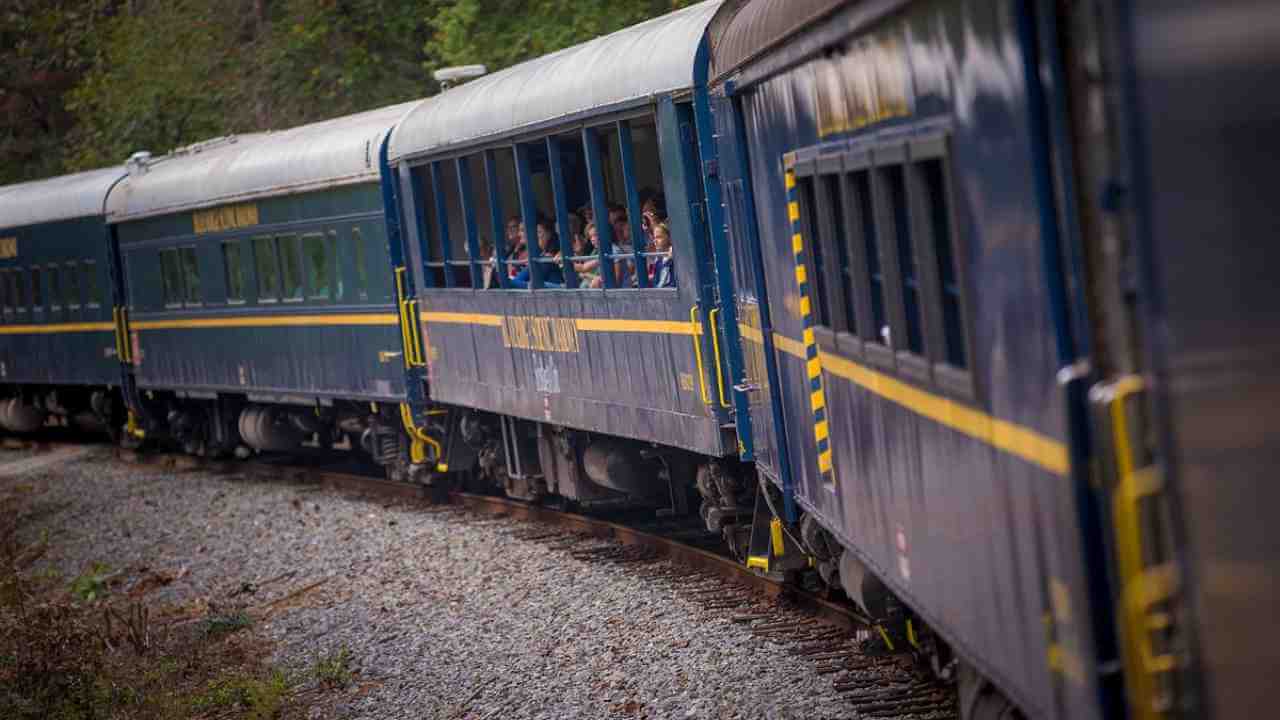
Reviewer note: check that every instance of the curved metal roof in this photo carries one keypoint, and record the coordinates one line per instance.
(58, 198)
(311, 157)
(743, 31)
(632, 64)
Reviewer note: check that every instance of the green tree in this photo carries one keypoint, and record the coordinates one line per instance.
(500, 33)
(49, 45)
(167, 75)
(325, 58)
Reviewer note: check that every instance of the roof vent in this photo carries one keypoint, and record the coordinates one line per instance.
(136, 165)
(450, 76)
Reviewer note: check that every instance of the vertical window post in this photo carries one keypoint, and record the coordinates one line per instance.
(633, 202)
(418, 192)
(562, 211)
(442, 222)
(498, 225)
(469, 222)
(599, 204)
(529, 214)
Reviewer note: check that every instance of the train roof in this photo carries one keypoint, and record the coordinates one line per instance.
(322, 155)
(64, 197)
(611, 72)
(744, 30)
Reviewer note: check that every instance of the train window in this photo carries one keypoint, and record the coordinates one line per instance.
(478, 214)
(71, 287)
(865, 244)
(5, 305)
(898, 218)
(362, 273)
(839, 261)
(37, 301)
(451, 223)
(290, 267)
(268, 267)
(233, 271)
(615, 201)
(315, 248)
(18, 290)
(433, 263)
(89, 270)
(55, 288)
(515, 253)
(816, 270)
(190, 275)
(339, 281)
(537, 207)
(935, 192)
(171, 277)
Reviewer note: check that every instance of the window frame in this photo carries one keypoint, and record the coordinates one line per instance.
(90, 288)
(299, 269)
(22, 297)
(37, 295)
(53, 287)
(238, 244)
(360, 259)
(929, 367)
(268, 242)
(310, 289)
(71, 286)
(425, 179)
(191, 296)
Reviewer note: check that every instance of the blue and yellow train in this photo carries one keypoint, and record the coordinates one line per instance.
(961, 307)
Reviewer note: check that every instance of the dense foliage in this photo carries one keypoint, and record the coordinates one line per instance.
(83, 83)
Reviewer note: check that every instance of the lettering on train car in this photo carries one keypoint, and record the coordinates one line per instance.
(548, 334)
(227, 217)
(8, 248)
(864, 85)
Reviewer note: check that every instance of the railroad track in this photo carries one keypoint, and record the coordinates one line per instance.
(831, 635)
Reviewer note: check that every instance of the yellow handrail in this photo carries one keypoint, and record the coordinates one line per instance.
(1143, 585)
(715, 344)
(697, 354)
(420, 438)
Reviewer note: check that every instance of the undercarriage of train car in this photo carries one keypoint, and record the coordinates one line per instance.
(28, 408)
(224, 425)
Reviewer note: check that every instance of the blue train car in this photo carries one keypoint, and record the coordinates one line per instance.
(590, 355)
(889, 184)
(58, 350)
(258, 295)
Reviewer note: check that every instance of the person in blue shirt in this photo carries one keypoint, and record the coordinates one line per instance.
(662, 272)
(549, 247)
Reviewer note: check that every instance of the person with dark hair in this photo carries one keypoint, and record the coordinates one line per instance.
(662, 272)
(549, 249)
(585, 245)
(517, 246)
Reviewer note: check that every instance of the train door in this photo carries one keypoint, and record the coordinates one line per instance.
(758, 389)
(1179, 220)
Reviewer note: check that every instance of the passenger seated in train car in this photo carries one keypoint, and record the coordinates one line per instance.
(662, 271)
(517, 246)
(488, 276)
(623, 268)
(549, 248)
(584, 245)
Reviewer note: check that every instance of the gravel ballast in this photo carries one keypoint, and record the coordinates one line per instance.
(442, 614)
